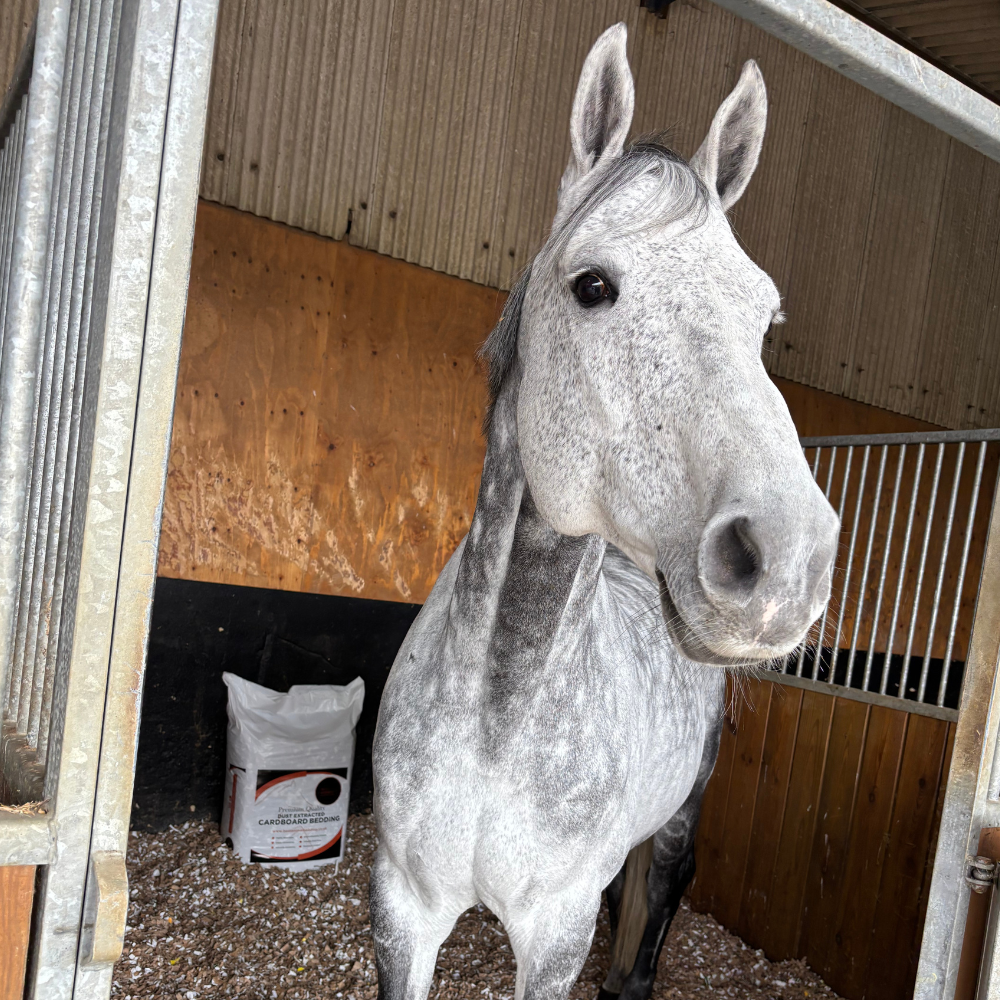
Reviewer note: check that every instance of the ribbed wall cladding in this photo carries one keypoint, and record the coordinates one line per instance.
(436, 131)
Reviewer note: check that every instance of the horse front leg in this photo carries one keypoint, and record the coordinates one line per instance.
(551, 942)
(407, 932)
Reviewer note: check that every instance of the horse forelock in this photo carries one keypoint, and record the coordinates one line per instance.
(680, 194)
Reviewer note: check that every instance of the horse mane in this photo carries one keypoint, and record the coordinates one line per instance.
(647, 154)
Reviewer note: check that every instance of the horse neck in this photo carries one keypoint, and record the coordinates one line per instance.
(522, 588)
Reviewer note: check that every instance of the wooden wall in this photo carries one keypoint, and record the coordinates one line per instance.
(17, 891)
(327, 430)
(818, 831)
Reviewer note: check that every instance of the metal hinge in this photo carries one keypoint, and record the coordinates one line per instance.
(981, 873)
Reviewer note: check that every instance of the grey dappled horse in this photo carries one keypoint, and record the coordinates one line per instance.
(645, 517)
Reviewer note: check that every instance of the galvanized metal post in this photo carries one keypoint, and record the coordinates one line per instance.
(862, 54)
(972, 800)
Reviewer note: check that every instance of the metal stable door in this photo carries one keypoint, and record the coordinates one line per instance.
(101, 138)
(971, 807)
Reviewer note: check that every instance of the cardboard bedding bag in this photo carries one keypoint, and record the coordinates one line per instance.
(288, 771)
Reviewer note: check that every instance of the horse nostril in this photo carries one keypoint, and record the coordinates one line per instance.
(731, 561)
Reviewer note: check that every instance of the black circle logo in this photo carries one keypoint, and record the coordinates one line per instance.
(327, 791)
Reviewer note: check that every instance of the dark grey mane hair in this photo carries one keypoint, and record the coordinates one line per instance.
(679, 194)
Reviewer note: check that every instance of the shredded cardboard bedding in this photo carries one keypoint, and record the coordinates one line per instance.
(203, 924)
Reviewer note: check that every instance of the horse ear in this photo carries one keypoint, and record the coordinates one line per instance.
(728, 157)
(603, 105)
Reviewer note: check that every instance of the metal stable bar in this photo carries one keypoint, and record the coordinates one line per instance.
(847, 45)
(850, 558)
(19, 362)
(886, 549)
(857, 567)
(897, 601)
(942, 567)
(815, 472)
(864, 572)
(921, 566)
(840, 514)
(963, 565)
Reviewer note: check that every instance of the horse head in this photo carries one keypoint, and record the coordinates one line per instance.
(644, 412)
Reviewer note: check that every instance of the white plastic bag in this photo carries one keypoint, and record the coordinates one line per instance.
(288, 771)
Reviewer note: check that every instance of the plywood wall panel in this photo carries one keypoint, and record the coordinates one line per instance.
(17, 889)
(16, 18)
(327, 434)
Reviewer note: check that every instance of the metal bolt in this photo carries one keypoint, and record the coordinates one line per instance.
(981, 873)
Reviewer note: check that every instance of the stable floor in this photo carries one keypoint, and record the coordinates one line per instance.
(202, 924)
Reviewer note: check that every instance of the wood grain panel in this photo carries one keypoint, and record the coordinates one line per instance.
(327, 426)
(772, 791)
(843, 828)
(783, 920)
(753, 703)
(829, 861)
(846, 964)
(17, 889)
(908, 862)
(709, 885)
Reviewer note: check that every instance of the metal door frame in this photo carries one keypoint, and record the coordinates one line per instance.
(114, 132)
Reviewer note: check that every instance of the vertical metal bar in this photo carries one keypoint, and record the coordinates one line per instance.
(63, 226)
(942, 566)
(805, 642)
(13, 149)
(953, 625)
(22, 335)
(840, 513)
(69, 431)
(886, 554)
(64, 316)
(864, 571)
(850, 562)
(891, 639)
(928, 526)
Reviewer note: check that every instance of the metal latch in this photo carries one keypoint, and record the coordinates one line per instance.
(107, 908)
(981, 873)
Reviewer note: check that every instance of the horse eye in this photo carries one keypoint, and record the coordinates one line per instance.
(590, 288)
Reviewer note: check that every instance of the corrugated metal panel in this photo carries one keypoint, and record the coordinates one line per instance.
(16, 18)
(439, 129)
(295, 109)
